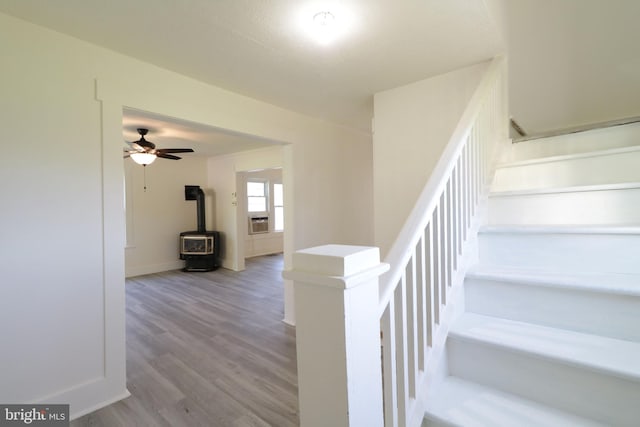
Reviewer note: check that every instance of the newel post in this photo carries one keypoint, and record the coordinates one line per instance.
(338, 335)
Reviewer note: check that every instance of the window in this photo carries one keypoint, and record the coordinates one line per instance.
(256, 196)
(278, 207)
(266, 199)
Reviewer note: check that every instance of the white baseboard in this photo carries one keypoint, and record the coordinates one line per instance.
(100, 405)
(153, 268)
(289, 322)
(89, 396)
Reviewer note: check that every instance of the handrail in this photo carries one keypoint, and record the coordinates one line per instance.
(394, 329)
(426, 260)
(422, 211)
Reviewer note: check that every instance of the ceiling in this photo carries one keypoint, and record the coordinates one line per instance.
(571, 61)
(260, 49)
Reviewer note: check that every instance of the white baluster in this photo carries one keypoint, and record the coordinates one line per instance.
(402, 375)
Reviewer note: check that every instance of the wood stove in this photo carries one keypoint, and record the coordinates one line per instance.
(201, 248)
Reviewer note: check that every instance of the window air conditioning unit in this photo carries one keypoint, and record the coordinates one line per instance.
(258, 224)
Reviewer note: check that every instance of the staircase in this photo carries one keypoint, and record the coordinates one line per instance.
(550, 332)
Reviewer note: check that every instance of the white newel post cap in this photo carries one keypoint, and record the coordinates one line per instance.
(340, 266)
(338, 335)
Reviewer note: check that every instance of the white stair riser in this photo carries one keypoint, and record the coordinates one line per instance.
(609, 399)
(433, 421)
(597, 139)
(604, 168)
(611, 207)
(582, 253)
(486, 407)
(606, 314)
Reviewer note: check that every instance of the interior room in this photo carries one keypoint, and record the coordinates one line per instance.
(482, 152)
(156, 209)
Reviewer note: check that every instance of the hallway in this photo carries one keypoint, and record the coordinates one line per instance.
(207, 349)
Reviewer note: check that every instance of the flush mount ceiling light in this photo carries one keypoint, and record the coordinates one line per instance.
(325, 23)
(324, 27)
(324, 19)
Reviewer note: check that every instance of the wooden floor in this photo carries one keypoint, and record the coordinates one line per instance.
(207, 349)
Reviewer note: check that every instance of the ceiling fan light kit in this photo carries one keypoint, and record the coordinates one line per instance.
(143, 159)
(144, 152)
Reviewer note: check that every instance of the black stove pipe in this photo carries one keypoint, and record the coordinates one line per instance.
(194, 192)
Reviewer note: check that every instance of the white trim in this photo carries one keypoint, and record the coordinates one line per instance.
(99, 405)
(609, 283)
(154, 268)
(339, 282)
(561, 229)
(289, 322)
(578, 129)
(552, 159)
(574, 189)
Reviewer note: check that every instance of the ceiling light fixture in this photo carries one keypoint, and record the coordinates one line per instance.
(324, 27)
(324, 19)
(143, 159)
(325, 22)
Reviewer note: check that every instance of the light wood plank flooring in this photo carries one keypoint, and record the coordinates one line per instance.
(207, 349)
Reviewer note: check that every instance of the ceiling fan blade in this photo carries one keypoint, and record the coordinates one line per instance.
(174, 150)
(168, 156)
(126, 155)
(136, 146)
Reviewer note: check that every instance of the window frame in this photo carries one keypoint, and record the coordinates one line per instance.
(275, 207)
(265, 196)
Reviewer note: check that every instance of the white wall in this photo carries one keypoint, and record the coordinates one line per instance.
(62, 225)
(62, 219)
(160, 213)
(413, 124)
(571, 62)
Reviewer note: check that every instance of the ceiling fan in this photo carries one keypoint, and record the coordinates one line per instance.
(145, 152)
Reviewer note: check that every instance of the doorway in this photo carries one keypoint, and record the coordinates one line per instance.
(156, 210)
(261, 211)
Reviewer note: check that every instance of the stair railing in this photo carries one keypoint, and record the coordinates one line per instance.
(426, 258)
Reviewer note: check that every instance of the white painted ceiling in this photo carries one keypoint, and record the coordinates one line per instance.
(257, 47)
(571, 61)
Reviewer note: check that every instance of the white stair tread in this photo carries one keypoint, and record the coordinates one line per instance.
(469, 404)
(614, 283)
(609, 355)
(562, 229)
(571, 189)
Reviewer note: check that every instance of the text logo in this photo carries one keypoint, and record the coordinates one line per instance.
(34, 415)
